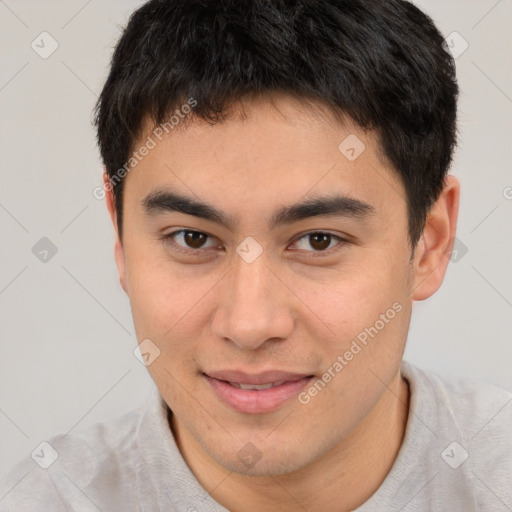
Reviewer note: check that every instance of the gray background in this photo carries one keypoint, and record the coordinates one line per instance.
(67, 337)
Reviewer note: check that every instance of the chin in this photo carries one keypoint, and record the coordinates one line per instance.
(260, 458)
(263, 467)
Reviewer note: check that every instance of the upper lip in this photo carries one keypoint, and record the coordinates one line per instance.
(256, 378)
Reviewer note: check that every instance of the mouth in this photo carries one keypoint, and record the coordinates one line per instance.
(256, 393)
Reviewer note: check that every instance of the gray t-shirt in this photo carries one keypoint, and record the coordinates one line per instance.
(456, 456)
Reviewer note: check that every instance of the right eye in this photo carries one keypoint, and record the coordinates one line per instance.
(187, 241)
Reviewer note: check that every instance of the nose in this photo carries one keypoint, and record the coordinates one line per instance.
(255, 305)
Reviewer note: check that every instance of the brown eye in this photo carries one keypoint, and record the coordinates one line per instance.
(188, 241)
(320, 241)
(195, 239)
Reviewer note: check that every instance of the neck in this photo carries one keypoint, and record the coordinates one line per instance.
(347, 475)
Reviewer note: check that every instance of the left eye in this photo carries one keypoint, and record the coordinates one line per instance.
(190, 241)
(320, 241)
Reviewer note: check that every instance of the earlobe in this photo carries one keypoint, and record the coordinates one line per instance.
(118, 247)
(436, 244)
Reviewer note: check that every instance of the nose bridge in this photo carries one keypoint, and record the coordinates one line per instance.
(252, 309)
(250, 283)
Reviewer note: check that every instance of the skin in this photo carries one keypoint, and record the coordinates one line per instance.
(284, 310)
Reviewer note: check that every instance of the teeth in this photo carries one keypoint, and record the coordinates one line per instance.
(255, 386)
(258, 387)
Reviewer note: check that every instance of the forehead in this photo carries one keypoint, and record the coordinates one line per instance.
(266, 151)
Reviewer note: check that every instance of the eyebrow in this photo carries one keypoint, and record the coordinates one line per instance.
(339, 205)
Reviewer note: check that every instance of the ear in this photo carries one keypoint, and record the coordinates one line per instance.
(118, 248)
(435, 246)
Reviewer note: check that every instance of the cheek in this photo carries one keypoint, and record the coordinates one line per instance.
(168, 301)
(367, 310)
(355, 298)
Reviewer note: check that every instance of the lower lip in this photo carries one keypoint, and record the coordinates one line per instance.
(253, 401)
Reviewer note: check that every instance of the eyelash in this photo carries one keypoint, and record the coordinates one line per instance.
(197, 252)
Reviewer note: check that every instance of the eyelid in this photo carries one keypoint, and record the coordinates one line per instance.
(341, 241)
(168, 237)
(327, 252)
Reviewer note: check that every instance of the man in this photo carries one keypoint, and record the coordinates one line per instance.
(276, 173)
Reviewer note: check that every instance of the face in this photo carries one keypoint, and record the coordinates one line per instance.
(315, 300)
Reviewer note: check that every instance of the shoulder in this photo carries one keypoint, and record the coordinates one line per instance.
(476, 406)
(478, 417)
(66, 471)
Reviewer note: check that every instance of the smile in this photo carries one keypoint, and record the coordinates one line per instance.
(256, 394)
